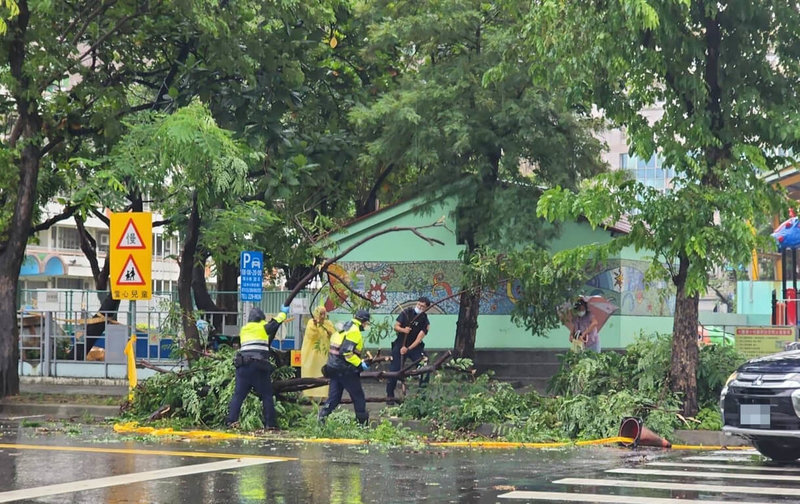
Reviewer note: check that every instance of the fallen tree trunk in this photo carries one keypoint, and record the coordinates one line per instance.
(299, 384)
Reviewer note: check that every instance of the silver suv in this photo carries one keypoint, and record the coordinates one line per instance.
(761, 402)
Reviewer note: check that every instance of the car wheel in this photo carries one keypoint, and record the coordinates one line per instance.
(778, 449)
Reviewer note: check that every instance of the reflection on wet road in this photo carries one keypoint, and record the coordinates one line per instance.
(684, 479)
(97, 465)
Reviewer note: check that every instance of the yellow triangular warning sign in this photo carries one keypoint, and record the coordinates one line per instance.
(130, 274)
(130, 238)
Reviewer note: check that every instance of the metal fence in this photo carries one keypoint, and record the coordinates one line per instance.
(80, 341)
(69, 300)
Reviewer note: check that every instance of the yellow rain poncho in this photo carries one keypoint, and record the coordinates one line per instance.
(314, 353)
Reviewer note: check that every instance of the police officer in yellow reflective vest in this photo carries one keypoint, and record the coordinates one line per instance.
(253, 369)
(344, 368)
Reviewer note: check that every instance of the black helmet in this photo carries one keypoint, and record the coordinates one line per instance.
(256, 315)
(362, 316)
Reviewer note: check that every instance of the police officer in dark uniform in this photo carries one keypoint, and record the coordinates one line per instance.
(411, 327)
(344, 368)
(253, 370)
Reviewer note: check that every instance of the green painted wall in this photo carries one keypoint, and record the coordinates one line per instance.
(397, 267)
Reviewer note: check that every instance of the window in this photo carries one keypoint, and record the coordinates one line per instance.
(102, 241)
(162, 286)
(650, 172)
(69, 283)
(158, 245)
(164, 246)
(65, 238)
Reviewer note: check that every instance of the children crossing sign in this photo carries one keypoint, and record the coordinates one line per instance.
(130, 274)
(131, 256)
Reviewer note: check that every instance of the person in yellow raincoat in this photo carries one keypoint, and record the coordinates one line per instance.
(314, 352)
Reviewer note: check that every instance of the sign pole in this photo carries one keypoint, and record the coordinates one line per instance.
(130, 350)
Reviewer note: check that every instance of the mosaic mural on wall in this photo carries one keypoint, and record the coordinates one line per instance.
(394, 285)
(624, 284)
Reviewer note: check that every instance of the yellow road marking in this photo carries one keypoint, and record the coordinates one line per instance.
(131, 451)
(134, 427)
(127, 479)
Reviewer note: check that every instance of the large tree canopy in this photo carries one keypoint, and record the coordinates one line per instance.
(725, 75)
(73, 72)
(500, 137)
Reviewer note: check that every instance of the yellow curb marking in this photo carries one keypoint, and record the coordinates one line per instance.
(134, 428)
(205, 434)
(131, 451)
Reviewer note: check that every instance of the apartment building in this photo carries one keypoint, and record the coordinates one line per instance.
(54, 261)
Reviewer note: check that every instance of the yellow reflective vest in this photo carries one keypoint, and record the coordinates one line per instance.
(256, 335)
(346, 347)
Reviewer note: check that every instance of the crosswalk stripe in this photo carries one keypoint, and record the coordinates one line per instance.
(126, 479)
(603, 498)
(692, 487)
(695, 474)
(739, 467)
(738, 452)
(719, 459)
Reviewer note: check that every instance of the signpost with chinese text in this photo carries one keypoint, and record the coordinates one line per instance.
(757, 341)
(130, 264)
(251, 275)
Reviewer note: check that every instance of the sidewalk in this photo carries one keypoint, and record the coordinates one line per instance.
(114, 391)
(40, 396)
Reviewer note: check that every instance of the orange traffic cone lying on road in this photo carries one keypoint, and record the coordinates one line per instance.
(632, 428)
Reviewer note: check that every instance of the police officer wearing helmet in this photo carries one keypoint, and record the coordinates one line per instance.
(344, 368)
(253, 369)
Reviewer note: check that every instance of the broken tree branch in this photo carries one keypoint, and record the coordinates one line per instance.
(300, 384)
(346, 286)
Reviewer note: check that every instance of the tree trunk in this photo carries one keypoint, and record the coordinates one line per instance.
(108, 305)
(12, 253)
(467, 230)
(227, 297)
(203, 299)
(185, 301)
(27, 127)
(685, 355)
(467, 325)
(9, 337)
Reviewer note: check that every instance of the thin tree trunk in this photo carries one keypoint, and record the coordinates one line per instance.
(227, 298)
(108, 305)
(185, 283)
(467, 325)
(469, 302)
(685, 355)
(203, 299)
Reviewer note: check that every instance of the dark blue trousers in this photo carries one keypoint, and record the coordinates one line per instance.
(253, 376)
(351, 382)
(412, 355)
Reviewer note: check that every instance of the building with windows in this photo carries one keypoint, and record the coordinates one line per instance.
(54, 260)
(650, 172)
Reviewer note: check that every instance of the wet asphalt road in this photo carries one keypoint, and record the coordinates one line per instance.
(313, 473)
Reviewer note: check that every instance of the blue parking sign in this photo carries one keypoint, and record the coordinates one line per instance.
(251, 275)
